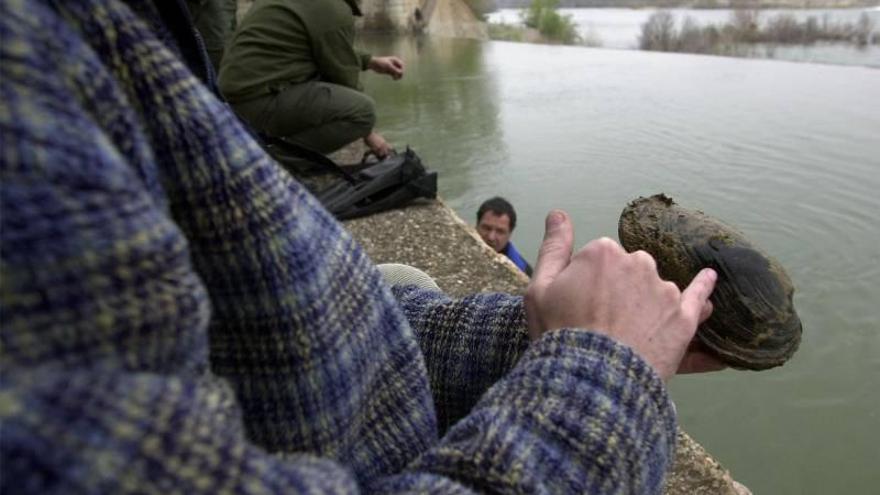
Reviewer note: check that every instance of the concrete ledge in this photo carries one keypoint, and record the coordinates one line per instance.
(431, 237)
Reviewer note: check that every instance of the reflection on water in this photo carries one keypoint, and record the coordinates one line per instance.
(446, 99)
(787, 152)
(621, 28)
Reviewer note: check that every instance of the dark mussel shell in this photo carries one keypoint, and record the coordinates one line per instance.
(754, 324)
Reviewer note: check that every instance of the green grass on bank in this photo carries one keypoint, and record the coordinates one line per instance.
(544, 16)
(541, 23)
(507, 32)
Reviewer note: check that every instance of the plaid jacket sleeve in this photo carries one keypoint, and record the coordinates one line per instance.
(468, 343)
(579, 413)
(178, 315)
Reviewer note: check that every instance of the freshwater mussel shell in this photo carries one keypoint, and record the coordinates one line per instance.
(754, 324)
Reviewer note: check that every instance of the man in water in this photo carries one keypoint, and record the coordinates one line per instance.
(292, 71)
(496, 220)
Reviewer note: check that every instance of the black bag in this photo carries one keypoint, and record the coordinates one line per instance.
(390, 183)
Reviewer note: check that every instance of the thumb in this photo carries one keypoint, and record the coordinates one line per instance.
(555, 251)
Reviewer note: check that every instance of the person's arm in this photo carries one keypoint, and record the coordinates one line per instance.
(339, 62)
(468, 343)
(365, 58)
(336, 58)
(377, 144)
(579, 413)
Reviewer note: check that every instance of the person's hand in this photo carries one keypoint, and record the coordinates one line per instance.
(393, 66)
(604, 289)
(377, 144)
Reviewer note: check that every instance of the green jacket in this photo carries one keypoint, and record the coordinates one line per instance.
(284, 42)
(214, 19)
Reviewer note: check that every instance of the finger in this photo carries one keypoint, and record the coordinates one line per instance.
(706, 311)
(555, 251)
(696, 295)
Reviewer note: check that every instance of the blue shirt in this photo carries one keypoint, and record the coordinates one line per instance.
(511, 252)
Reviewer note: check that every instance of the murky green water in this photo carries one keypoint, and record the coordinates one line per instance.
(788, 152)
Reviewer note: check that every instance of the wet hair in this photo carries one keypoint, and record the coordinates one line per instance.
(498, 206)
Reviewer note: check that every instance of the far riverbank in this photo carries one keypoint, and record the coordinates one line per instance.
(622, 28)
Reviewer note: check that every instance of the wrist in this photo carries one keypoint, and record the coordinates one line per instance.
(366, 61)
(618, 356)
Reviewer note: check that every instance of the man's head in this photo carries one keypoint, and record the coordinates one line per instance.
(496, 220)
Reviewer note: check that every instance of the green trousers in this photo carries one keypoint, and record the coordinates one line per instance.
(317, 115)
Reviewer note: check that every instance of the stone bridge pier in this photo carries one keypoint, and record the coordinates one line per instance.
(445, 18)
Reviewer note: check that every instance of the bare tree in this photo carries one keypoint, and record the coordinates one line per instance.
(745, 24)
(658, 32)
(864, 29)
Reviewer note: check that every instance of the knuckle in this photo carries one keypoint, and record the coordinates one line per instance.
(606, 243)
(602, 247)
(669, 290)
(643, 258)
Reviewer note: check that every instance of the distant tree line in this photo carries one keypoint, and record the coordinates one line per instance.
(661, 32)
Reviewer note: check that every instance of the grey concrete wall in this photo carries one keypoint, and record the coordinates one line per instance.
(454, 19)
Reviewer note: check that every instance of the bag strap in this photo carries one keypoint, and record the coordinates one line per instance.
(312, 156)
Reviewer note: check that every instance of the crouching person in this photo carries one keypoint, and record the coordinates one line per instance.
(292, 71)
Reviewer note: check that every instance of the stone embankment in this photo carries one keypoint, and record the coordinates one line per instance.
(431, 237)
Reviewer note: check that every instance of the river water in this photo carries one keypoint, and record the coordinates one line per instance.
(621, 28)
(787, 152)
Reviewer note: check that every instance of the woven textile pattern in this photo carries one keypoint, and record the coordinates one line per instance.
(180, 316)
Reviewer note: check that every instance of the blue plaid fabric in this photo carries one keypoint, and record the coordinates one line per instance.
(180, 316)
